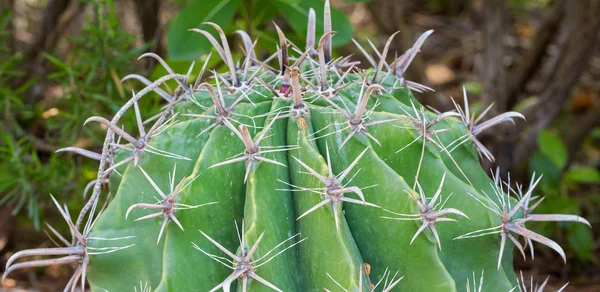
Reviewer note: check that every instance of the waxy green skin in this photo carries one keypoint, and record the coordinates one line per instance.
(146, 257)
(212, 185)
(469, 165)
(454, 253)
(465, 252)
(267, 204)
(380, 240)
(152, 262)
(327, 250)
(272, 212)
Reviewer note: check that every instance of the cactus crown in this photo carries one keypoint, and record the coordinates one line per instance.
(339, 177)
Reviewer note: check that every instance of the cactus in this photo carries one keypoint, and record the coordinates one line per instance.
(313, 175)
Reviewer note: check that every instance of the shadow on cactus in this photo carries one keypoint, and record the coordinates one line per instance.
(327, 166)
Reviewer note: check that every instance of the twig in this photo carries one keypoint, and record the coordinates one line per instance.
(582, 39)
(532, 60)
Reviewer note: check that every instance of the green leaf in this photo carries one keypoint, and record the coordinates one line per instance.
(185, 45)
(543, 165)
(296, 14)
(473, 87)
(264, 11)
(581, 239)
(583, 175)
(58, 63)
(551, 145)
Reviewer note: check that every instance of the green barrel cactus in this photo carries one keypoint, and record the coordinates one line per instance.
(313, 175)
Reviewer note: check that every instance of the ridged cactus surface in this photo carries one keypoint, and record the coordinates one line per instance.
(313, 175)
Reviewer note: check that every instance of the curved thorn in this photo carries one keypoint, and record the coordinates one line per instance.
(117, 165)
(176, 222)
(223, 249)
(150, 216)
(558, 217)
(199, 78)
(141, 205)
(74, 250)
(438, 191)
(327, 31)
(227, 52)
(162, 229)
(250, 55)
(65, 214)
(313, 172)
(423, 226)
(322, 60)
(336, 215)
(254, 247)
(265, 130)
(505, 117)
(41, 263)
(216, 100)
(226, 284)
(71, 281)
(563, 287)
(83, 274)
(502, 244)
(444, 219)
(406, 59)
(256, 277)
(442, 116)
(355, 190)
(383, 55)
(436, 235)
(248, 46)
(60, 237)
(364, 52)
(389, 288)
(271, 161)
(147, 82)
(328, 160)
(310, 33)
(518, 245)
(315, 207)
(230, 161)
(138, 118)
(450, 211)
(283, 58)
(81, 151)
(539, 238)
(212, 40)
(358, 202)
(166, 66)
(156, 188)
(138, 144)
(159, 59)
(362, 105)
(351, 166)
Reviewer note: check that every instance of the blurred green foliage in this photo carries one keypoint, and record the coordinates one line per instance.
(253, 17)
(85, 83)
(561, 185)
